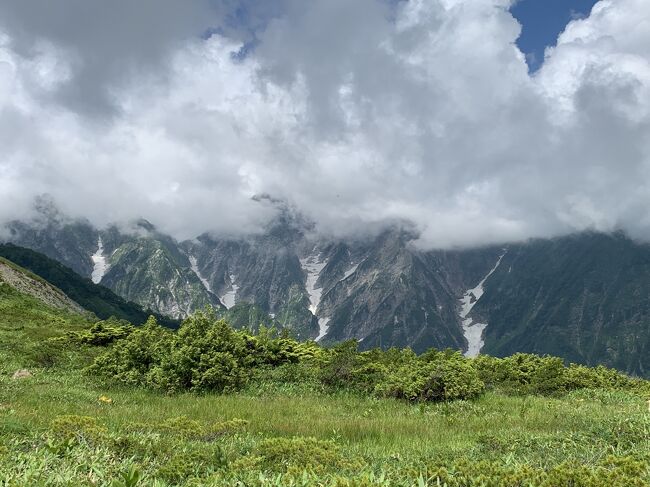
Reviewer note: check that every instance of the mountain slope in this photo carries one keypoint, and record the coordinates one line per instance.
(97, 299)
(15, 277)
(150, 269)
(584, 297)
(264, 270)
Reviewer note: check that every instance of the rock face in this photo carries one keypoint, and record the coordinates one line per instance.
(150, 269)
(264, 270)
(21, 374)
(24, 282)
(583, 297)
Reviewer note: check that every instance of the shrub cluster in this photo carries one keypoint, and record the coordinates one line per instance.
(531, 374)
(102, 333)
(206, 354)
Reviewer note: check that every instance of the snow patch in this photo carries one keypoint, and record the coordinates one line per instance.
(100, 266)
(323, 328)
(349, 272)
(474, 331)
(313, 266)
(195, 269)
(230, 297)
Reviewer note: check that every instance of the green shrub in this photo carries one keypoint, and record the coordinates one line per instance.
(137, 358)
(436, 377)
(207, 354)
(531, 374)
(340, 365)
(345, 367)
(296, 454)
(103, 333)
(79, 429)
(193, 463)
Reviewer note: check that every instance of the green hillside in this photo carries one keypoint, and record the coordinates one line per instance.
(92, 297)
(90, 404)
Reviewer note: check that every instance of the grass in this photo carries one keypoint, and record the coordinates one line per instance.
(589, 438)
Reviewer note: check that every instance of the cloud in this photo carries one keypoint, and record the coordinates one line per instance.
(357, 113)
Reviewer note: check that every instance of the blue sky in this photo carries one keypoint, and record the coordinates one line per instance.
(542, 21)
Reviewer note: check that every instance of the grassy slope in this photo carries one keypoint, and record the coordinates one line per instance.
(384, 435)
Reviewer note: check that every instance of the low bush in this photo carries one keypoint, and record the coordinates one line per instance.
(69, 429)
(206, 354)
(102, 333)
(437, 376)
(296, 455)
(531, 374)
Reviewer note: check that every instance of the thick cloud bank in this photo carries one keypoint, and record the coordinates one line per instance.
(355, 112)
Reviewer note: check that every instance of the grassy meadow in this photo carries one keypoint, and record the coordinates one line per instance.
(65, 426)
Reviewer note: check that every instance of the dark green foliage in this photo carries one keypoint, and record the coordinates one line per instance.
(531, 374)
(344, 361)
(206, 354)
(138, 358)
(92, 297)
(436, 376)
(102, 333)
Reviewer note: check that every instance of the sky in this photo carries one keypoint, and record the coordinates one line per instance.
(542, 21)
(357, 114)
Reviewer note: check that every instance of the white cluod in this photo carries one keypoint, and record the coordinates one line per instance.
(313, 266)
(100, 265)
(474, 331)
(230, 297)
(195, 269)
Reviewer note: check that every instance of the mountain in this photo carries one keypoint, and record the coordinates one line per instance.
(81, 291)
(150, 268)
(135, 261)
(264, 270)
(583, 297)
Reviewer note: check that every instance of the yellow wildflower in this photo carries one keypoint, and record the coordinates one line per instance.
(105, 400)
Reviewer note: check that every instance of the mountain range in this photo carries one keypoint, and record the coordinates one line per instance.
(583, 297)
